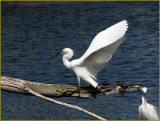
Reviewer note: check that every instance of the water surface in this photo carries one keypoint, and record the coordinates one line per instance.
(33, 34)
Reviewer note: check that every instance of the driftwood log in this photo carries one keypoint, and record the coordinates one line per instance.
(42, 90)
(54, 90)
(22, 86)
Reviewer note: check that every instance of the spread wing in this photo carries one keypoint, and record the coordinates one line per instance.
(103, 47)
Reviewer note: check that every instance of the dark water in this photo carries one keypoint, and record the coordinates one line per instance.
(32, 34)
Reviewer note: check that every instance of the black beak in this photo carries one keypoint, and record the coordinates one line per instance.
(58, 54)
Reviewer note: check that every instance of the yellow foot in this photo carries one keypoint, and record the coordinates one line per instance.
(75, 88)
(61, 92)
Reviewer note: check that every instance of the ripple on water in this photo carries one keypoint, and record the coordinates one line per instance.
(33, 34)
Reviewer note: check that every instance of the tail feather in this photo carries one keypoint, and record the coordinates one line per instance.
(93, 82)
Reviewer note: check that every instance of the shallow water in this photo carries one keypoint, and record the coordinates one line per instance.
(33, 34)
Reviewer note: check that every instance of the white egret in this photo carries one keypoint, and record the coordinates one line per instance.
(97, 55)
(146, 110)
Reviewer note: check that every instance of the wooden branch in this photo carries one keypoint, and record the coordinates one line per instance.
(21, 87)
(64, 104)
(59, 90)
(54, 90)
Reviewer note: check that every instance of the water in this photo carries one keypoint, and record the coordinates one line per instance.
(33, 34)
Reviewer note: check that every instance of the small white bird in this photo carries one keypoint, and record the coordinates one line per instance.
(97, 55)
(146, 110)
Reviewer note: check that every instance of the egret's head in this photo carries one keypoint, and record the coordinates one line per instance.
(67, 52)
(143, 89)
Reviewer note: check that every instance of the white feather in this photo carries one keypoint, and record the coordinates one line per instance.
(98, 54)
(146, 110)
(103, 47)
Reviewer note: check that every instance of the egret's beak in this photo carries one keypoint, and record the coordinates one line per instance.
(59, 53)
(140, 88)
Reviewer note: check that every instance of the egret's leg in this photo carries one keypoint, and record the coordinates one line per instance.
(79, 85)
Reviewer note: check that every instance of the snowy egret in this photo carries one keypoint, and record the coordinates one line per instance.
(97, 55)
(146, 110)
(121, 88)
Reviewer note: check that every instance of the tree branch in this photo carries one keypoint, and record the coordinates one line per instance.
(64, 104)
(24, 89)
(54, 90)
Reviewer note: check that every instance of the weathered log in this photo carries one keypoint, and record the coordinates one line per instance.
(58, 90)
(24, 89)
(55, 90)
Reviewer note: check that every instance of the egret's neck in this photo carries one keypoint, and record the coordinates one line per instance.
(144, 101)
(66, 61)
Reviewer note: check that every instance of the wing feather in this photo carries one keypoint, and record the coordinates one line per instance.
(97, 60)
(103, 47)
(107, 37)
